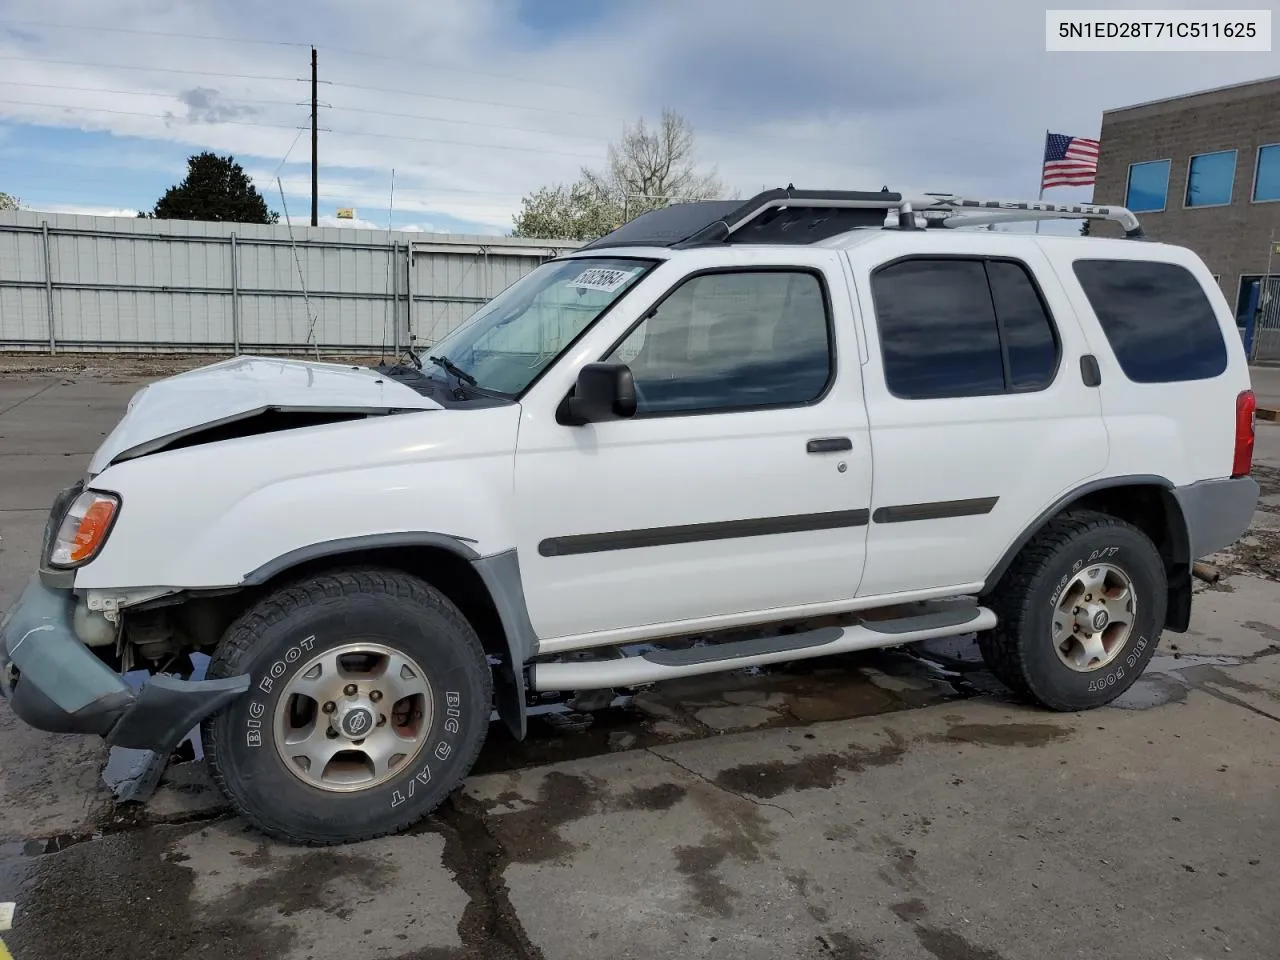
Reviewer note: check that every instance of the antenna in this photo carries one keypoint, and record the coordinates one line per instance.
(392, 313)
(298, 262)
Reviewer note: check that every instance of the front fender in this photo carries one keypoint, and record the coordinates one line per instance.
(211, 516)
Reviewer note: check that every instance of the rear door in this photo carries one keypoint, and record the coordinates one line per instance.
(980, 416)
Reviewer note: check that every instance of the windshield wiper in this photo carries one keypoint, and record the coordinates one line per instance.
(454, 369)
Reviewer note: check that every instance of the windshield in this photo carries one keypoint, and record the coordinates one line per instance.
(512, 338)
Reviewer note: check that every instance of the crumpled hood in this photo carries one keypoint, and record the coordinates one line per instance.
(242, 387)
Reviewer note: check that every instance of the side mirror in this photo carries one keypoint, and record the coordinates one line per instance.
(604, 391)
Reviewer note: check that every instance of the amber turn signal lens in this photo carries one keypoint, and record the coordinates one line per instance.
(93, 529)
(84, 529)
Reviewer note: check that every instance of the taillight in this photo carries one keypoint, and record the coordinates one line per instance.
(1246, 408)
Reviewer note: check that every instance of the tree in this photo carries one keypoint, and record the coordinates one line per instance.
(1084, 228)
(9, 202)
(574, 212)
(646, 169)
(215, 188)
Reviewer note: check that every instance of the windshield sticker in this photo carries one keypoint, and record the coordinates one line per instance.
(598, 278)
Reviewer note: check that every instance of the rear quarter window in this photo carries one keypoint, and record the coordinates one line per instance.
(1161, 326)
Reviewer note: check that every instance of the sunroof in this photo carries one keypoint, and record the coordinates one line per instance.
(774, 216)
(667, 226)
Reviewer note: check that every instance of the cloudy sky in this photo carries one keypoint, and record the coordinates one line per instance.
(474, 103)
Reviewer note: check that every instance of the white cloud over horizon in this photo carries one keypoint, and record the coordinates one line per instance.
(494, 98)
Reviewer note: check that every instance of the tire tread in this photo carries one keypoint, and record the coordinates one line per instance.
(1012, 597)
(244, 632)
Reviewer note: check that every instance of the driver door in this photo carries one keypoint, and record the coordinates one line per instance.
(742, 484)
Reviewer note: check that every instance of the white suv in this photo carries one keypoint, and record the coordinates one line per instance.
(812, 423)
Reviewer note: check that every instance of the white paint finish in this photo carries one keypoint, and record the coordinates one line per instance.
(1026, 448)
(207, 516)
(511, 476)
(669, 471)
(242, 386)
(1182, 431)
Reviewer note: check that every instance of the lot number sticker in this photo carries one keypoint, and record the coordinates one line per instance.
(598, 278)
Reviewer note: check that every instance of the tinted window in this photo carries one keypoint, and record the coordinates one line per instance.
(1025, 325)
(1157, 319)
(1209, 179)
(1266, 177)
(1148, 184)
(937, 329)
(731, 340)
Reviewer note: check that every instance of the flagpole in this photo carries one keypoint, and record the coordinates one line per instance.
(1043, 148)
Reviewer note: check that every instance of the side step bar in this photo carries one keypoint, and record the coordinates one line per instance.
(952, 619)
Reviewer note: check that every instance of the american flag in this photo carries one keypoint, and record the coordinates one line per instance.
(1068, 161)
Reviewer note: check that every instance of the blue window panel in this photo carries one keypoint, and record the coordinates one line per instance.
(1210, 178)
(1148, 185)
(1266, 179)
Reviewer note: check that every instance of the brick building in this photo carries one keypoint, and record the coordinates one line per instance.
(1203, 170)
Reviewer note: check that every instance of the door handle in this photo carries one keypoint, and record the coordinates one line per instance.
(1090, 372)
(828, 444)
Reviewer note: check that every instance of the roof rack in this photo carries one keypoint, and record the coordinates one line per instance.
(1008, 211)
(809, 216)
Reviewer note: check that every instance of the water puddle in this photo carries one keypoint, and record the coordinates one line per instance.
(840, 687)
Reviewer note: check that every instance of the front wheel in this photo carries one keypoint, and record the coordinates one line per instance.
(1080, 612)
(369, 700)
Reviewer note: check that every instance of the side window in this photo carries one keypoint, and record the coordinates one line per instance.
(962, 328)
(1157, 319)
(1028, 333)
(733, 340)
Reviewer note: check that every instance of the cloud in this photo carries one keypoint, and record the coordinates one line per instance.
(474, 103)
(89, 210)
(359, 223)
(204, 105)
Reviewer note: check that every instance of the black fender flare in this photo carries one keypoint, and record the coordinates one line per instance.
(500, 574)
(1178, 549)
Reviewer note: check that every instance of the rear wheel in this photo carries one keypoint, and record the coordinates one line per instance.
(369, 699)
(1080, 612)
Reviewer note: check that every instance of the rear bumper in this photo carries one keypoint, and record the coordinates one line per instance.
(55, 683)
(1217, 512)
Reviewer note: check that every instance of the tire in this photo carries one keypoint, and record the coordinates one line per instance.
(1054, 569)
(287, 642)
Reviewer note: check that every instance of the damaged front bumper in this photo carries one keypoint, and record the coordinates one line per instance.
(55, 683)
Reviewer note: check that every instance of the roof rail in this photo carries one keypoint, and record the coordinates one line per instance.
(723, 229)
(1011, 211)
(809, 216)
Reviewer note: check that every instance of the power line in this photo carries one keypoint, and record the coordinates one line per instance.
(469, 123)
(135, 113)
(141, 93)
(480, 73)
(408, 93)
(347, 185)
(235, 101)
(146, 33)
(279, 126)
(300, 187)
(129, 66)
(466, 143)
(285, 158)
(482, 103)
(287, 43)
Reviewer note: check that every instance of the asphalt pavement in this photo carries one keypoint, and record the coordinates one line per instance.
(878, 806)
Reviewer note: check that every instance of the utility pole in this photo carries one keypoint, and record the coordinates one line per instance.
(315, 140)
